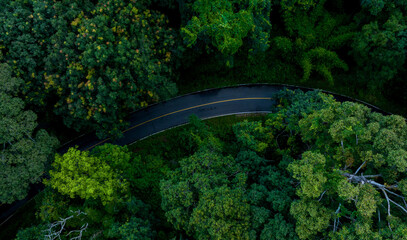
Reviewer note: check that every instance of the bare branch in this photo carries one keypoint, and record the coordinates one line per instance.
(321, 196)
(388, 202)
(395, 194)
(372, 176)
(95, 235)
(54, 234)
(83, 228)
(360, 167)
(398, 205)
(336, 221)
(385, 189)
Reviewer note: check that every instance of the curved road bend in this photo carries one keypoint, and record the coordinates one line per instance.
(176, 112)
(251, 98)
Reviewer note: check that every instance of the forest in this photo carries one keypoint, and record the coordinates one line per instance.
(314, 168)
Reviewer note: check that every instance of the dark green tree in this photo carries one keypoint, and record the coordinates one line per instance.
(224, 25)
(205, 196)
(25, 151)
(91, 63)
(216, 196)
(312, 36)
(380, 47)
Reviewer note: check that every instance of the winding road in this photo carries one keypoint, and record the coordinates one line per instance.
(251, 98)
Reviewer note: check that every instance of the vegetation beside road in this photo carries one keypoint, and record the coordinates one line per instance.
(86, 64)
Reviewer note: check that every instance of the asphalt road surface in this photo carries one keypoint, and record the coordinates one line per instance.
(252, 98)
(176, 112)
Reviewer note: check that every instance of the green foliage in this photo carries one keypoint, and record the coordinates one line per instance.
(107, 185)
(351, 166)
(311, 218)
(117, 157)
(212, 196)
(225, 24)
(146, 174)
(206, 178)
(31, 233)
(77, 174)
(251, 136)
(221, 213)
(293, 5)
(123, 64)
(310, 172)
(25, 152)
(377, 6)
(91, 63)
(313, 35)
(134, 229)
(121, 218)
(29, 33)
(380, 51)
(278, 229)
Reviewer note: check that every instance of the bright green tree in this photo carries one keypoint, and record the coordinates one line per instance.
(78, 174)
(25, 152)
(100, 184)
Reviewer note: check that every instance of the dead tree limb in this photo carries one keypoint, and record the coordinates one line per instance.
(360, 179)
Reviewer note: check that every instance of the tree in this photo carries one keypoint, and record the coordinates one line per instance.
(204, 197)
(32, 35)
(225, 24)
(98, 184)
(313, 34)
(123, 63)
(380, 48)
(351, 170)
(91, 63)
(223, 197)
(134, 229)
(77, 174)
(88, 219)
(25, 152)
(31, 233)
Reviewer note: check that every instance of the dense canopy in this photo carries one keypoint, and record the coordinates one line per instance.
(314, 168)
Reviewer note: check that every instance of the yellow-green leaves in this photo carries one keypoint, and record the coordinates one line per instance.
(309, 170)
(367, 201)
(347, 190)
(311, 217)
(77, 174)
(252, 135)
